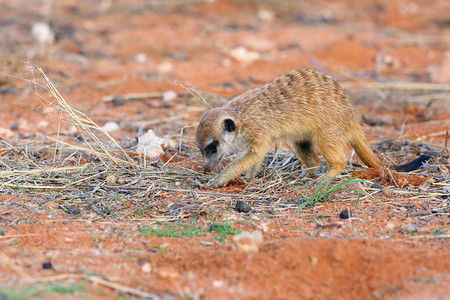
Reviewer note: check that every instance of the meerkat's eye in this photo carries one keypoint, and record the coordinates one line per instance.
(212, 148)
(229, 125)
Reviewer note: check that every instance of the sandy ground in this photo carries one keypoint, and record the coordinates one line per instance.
(91, 240)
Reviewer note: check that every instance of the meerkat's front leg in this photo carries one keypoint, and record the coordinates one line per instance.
(253, 170)
(234, 169)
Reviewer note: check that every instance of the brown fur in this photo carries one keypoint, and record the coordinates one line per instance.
(305, 107)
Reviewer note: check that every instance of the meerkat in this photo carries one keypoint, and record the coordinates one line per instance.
(305, 107)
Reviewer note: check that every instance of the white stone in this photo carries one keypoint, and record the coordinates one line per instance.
(151, 145)
(169, 96)
(42, 124)
(243, 55)
(42, 33)
(165, 67)
(140, 58)
(248, 241)
(110, 126)
(147, 267)
(266, 15)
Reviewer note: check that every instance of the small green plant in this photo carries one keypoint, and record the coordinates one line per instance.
(38, 290)
(438, 232)
(140, 211)
(425, 279)
(24, 192)
(387, 288)
(323, 190)
(160, 248)
(180, 229)
(94, 236)
(222, 230)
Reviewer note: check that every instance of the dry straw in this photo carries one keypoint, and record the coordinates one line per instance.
(104, 179)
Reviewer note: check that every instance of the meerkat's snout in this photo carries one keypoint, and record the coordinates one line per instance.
(211, 157)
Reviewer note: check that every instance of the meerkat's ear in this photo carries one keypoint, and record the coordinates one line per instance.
(228, 125)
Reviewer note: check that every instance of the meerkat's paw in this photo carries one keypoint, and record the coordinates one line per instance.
(215, 183)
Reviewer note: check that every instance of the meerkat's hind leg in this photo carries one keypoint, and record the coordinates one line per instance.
(334, 154)
(359, 143)
(305, 151)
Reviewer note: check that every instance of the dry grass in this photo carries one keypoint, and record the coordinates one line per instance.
(100, 178)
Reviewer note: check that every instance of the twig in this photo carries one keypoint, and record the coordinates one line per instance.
(198, 96)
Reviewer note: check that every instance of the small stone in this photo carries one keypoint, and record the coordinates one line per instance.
(218, 283)
(73, 210)
(243, 55)
(174, 209)
(168, 273)
(390, 226)
(111, 180)
(42, 33)
(314, 260)
(169, 96)
(146, 268)
(242, 207)
(345, 214)
(165, 67)
(151, 145)
(264, 227)
(46, 265)
(110, 126)
(248, 241)
(266, 15)
(409, 228)
(118, 100)
(140, 58)
(270, 211)
(43, 124)
(376, 185)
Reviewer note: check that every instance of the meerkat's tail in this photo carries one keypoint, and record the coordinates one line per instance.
(359, 143)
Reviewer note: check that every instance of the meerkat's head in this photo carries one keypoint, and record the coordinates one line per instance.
(216, 135)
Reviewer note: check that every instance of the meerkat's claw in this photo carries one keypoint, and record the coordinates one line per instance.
(214, 183)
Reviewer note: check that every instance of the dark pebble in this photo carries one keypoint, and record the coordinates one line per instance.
(174, 209)
(118, 100)
(407, 143)
(46, 265)
(242, 207)
(345, 214)
(73, 210)
(377, 186)
(14, 126)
